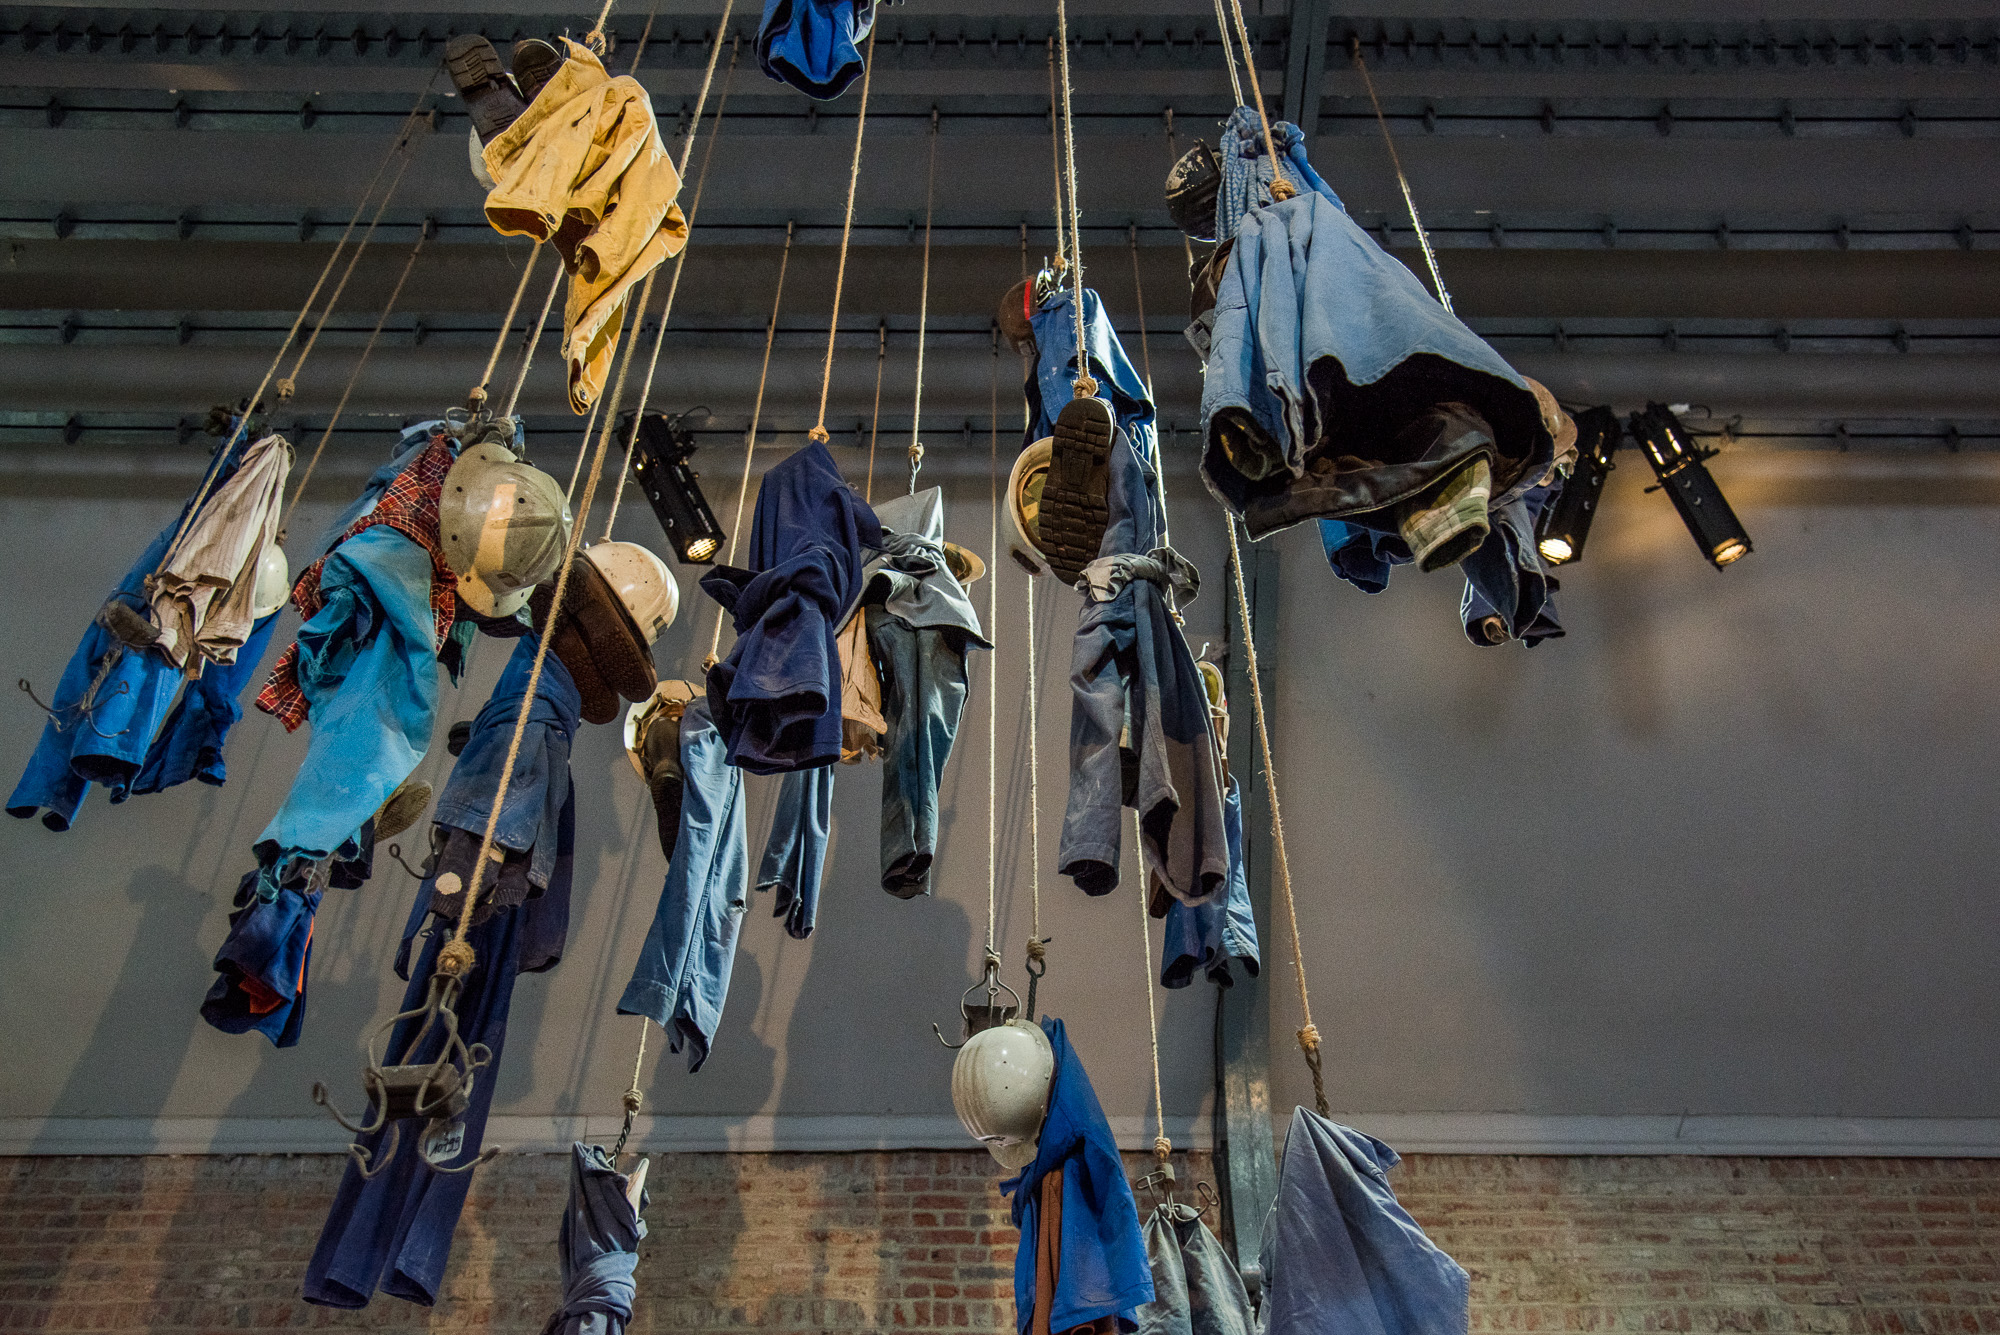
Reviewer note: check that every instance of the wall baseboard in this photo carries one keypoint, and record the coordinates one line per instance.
(1411, 1133)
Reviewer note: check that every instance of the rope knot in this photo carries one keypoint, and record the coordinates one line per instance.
(455, 959)
(1282, 190)
(820, 434)
(1085, 387)
(634, 1101)
(1309, 1038)
(1038, 949)
(1162, 1147)
(286, 388)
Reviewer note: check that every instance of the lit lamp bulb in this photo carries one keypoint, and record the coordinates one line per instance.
(1565, 522)
(1556, 550)
(1682, 468)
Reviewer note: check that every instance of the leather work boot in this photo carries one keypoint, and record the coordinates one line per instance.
(535, 63)
(1075, 508)
(490, 96)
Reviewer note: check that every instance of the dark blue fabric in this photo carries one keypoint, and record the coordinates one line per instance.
(189, 744)
(394, 1231)
(681, 979)
(923, 700)
(1206, 937)
(368, 666)
(1506, 578)
(1118, 381)
(814, 45)
(1341, 1256)
(1362, 556)
(541, 782)
(1132, 677)
(597, 1247)
(795, 853)
(269, 941)
(1103, 1267)
(108, 743)
(776, 697)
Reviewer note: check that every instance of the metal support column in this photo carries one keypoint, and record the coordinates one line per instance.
(1305, 63)
(1247, 1168)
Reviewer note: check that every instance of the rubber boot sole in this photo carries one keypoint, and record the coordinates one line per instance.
(483, 85)
(1076, 507)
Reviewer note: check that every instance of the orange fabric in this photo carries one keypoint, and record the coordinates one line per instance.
(583, 167)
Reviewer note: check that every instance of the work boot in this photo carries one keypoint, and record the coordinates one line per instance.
(128, 625)
(535, 63)
(400, 810)
(490, 96)
(1075, 507)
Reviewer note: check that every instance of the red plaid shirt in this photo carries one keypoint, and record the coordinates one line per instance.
(410, 506)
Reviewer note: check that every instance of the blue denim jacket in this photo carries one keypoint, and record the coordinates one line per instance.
(1324, 346)
(368, 666)
(1341, 1256)
(541, 782)
(814, 45)
(1104, 1270)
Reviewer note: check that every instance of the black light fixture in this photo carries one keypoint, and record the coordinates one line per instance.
(1566, 522)
(1682, 467)
(660, 467)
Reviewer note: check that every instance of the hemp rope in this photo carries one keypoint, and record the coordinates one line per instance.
(360, 364)
(680, 260)
(1162, 1146)
(819, 431)
(875, 415)
(596, 39)
(1055, 171)
(1409, 200)
(1139, 299)
(750, 436)
(455, 958)
(506, 322)
(1281, 189)
(646, 35)
(993, 657)
(582, 451)
(1037, 948)
(1308, 1031)
(288, 384)
(528, 340)
(1083, 386)
(923, 315)
(402, 141)
(1228, 56)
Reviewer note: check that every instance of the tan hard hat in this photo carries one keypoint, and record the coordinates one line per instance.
(642, 582)
(503, 525)
(1024, 495)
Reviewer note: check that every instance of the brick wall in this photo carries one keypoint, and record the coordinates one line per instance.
(920, 1241)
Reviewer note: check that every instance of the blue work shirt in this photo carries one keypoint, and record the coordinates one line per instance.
(1103, 1268)
(189, 744)
(1341, 1256)
(814, 45)
(776, 697)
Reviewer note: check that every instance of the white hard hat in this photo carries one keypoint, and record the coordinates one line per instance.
(272, 586)
(477, 152)
(1024, 495)
(503, 525)
(642, 582)
(1000, 1087)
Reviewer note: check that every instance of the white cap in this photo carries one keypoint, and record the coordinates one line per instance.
(1000, 1088)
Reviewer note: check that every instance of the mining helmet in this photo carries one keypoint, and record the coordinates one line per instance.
(503, 525)
(1000, 1088)
(642, 582)
(272, 585)
(1024, 496)
(1193, 183)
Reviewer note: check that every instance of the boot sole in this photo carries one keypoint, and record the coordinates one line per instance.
(1076, 506)
(471, 61)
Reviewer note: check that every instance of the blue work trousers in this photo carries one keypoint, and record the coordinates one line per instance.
(923, 698)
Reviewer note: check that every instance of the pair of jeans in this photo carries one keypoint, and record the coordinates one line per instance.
(1341, 1256)
(189, 744)
(682, 977)
(795, 853)
(1206, 937)
(1326, 347)
(1505, 578)
(923, 698)
(1197, 1288)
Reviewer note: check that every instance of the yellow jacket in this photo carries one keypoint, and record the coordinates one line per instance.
(584, 167)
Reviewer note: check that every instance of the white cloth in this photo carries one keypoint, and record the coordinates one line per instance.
(201, 593)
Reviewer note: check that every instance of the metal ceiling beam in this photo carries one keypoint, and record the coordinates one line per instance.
(1305, 64)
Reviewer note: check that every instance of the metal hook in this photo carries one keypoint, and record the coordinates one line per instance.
(396, 851)
(992, 1014)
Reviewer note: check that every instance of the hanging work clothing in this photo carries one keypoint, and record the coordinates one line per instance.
(262, 967)
(776, 697)
(1096, 1253)
(1207, 937)
(924, 688)
(584, 167)
(795, 852)
(1364, 557)
(910, 577)
(682, 977)
(189, 743)
(1052, 383)
(814, 45)
(597, 1246)
(409, 447)
(1134, 684)
(1325, 349)
(393, 1232)
(1197, 1287)
(378, 609)
(1340, 1254)
(862, 724)
(201, 595)
(1247, 169)
(1506, 581)
(111, 699)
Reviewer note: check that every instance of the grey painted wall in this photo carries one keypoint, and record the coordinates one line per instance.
(1725, 849)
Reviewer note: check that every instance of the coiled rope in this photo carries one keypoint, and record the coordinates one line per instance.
(819, 431)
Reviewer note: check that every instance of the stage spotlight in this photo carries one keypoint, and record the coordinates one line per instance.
(1566, 522)
(1681, 466)
(660, 467)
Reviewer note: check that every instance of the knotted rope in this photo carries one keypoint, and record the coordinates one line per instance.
(1281, 189)
(1084, 386)
(819, 431)
(923, 319)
